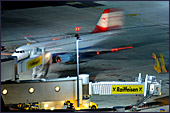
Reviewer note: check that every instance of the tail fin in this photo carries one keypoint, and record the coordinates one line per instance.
(110, 19)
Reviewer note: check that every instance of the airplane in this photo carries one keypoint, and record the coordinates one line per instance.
(63, 48)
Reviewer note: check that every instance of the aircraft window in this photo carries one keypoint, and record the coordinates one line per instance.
(39, 50)
(20, 51)
(17, 51)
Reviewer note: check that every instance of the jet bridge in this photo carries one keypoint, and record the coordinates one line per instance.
(38, 60)
(49, 93)
(139, 87)
(52, 93)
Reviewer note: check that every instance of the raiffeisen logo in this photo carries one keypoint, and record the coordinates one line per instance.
(127, 89)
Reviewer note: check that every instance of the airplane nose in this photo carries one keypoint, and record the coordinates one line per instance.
(14, 54)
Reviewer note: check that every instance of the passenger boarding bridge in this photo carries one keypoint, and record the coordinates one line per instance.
(52, 93)
(38, 60)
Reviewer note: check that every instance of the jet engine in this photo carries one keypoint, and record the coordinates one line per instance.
(65, 58)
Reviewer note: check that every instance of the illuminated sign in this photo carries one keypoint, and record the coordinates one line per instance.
(127, 89)
(34, 62)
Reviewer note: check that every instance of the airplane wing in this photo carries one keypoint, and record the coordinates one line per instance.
(106, 50)
(70, 56)
(54, 50)
(97, 51)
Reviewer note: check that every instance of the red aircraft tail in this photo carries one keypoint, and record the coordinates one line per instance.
(110, 19)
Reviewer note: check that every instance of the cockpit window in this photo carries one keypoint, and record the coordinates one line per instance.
(16, 51)
(19, 51)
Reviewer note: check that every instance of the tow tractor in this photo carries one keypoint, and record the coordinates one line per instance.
(70, 105)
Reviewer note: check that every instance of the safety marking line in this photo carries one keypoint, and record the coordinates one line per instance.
(132, 14)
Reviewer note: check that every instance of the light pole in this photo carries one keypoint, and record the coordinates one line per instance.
(77, 47)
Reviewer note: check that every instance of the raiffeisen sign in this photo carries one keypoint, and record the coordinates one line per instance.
(127, 89)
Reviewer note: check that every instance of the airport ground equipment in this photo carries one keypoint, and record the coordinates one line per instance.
(8, 68)
(140, 87)
(163, 67)
(159, 66)
(50, 94)
(38, 60)
(87, 105)
(147, 87)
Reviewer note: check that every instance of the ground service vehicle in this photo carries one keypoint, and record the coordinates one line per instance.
(91, 105)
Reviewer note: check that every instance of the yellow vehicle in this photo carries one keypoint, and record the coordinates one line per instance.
(70, 105)
(68, 101)
(28, 106)
(93, 105)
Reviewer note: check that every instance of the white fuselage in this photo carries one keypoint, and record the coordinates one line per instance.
(62, 45)
(110, 19)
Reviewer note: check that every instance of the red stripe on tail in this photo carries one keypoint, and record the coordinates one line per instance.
(110, 19)
(99, 29)
(111, 10)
